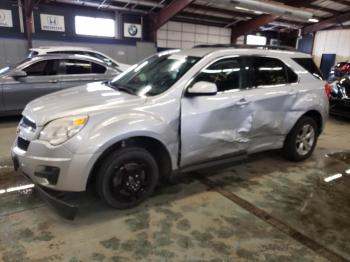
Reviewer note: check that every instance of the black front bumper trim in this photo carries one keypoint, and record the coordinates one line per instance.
(55, 201)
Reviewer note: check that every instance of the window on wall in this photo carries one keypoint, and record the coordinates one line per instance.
(94, 26)
(256, 40)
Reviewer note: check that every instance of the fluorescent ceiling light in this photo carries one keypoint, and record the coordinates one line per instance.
(313, 20)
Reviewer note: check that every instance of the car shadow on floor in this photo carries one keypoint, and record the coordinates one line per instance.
(185, 185)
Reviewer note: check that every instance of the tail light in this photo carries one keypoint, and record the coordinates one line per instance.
(328, 89)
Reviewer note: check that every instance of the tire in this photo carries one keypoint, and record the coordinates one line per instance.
(127, 177)
(297, 146)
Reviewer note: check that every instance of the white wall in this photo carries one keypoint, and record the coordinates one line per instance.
(185, 35)
(332, 42)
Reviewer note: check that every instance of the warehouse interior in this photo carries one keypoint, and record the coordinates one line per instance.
(260, 207)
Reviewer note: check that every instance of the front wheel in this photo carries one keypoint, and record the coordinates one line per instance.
(301, 141)
(127, 177)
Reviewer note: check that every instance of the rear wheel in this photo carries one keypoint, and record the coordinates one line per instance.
(301, 141)
(127, 177)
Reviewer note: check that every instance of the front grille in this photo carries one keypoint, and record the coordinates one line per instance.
(28, 123)
(22, 143)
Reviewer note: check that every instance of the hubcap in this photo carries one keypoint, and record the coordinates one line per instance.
(129, 182)
(305, 139)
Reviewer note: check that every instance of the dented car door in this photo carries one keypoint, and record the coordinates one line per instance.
(272, 88)
(215, 126)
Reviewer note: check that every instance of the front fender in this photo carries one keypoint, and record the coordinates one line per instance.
(96, 138)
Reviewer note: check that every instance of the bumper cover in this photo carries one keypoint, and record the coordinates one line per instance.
(73, 169)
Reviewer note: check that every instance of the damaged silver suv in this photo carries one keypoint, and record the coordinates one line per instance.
(173, 112)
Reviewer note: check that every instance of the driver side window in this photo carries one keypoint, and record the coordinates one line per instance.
(42, 68)
(225, 73)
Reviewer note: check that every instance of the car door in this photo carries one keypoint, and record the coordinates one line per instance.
(273, 88)
(75, 72)
(216, 126)
(41, 79)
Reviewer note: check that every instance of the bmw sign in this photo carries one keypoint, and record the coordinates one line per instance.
(132, 30)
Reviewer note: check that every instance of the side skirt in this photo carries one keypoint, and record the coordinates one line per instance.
(217, 161)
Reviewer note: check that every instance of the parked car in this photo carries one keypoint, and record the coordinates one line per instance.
(338, 71)
(40, 75)
(340, 97)
(77, 50)
(174, 112)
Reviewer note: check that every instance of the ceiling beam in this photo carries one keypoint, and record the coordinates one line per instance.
(324, 24)
(165, 14)
(343, 2)
(251, 25)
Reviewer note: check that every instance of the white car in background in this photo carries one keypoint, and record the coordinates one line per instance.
(77, 50)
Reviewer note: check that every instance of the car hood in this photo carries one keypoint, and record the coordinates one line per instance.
(92, 98)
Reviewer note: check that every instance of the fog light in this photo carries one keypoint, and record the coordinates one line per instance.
(50, 173)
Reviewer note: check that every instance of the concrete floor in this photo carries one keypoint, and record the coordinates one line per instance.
(263, 209)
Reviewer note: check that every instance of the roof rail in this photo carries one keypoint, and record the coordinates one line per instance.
(265, 47)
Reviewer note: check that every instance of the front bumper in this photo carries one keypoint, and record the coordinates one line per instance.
(53, 167)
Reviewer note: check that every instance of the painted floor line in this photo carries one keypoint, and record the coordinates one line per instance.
(266, 217)
(20, 211)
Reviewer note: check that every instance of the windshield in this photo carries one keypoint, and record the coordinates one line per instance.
(155, 75)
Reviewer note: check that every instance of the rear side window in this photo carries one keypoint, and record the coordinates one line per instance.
(75, 66)
(309, 65)
(266, 71)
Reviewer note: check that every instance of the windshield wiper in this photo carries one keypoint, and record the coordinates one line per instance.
(120, 88)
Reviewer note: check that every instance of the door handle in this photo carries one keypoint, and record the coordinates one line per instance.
(53, 81)
(242, 102)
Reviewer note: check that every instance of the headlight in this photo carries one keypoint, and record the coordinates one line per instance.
(60, 130)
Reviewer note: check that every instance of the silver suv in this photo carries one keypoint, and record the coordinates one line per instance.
(174, 112)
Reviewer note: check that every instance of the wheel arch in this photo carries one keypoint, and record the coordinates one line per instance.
(315, 115)
(154, 146)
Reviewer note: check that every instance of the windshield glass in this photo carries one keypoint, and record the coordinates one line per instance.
(155, 75)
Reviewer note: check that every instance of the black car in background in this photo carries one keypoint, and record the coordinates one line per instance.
(339, 98)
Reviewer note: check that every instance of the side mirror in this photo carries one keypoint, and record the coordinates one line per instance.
(18, 74)
(202, 88)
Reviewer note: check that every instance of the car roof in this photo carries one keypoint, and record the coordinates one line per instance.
(69, 56)
(61, 48)
(246, 50)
